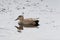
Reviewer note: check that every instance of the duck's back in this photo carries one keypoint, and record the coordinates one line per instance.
(27, 21)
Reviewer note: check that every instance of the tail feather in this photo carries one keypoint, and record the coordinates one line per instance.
(36, 22)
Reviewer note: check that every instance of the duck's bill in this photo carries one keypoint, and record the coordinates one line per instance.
(16, 19)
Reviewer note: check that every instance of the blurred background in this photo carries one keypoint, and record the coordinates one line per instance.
(48, 12)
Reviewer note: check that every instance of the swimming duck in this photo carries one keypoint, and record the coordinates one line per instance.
(27, 21)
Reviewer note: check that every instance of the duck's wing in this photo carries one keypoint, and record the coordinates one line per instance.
(32, 19)
(27, 21)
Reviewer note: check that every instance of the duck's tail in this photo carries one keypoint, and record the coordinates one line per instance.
(36, 21)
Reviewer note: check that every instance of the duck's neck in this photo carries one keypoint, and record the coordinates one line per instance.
(21, 20)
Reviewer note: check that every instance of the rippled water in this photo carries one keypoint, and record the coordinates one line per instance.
(49, 28)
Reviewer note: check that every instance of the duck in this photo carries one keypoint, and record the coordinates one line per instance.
(27, 21)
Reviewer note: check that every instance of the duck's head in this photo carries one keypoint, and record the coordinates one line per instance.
(20, 17)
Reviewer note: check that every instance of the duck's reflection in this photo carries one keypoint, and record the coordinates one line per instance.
(21, 27)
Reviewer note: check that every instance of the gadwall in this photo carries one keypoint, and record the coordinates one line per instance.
(27, 21)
